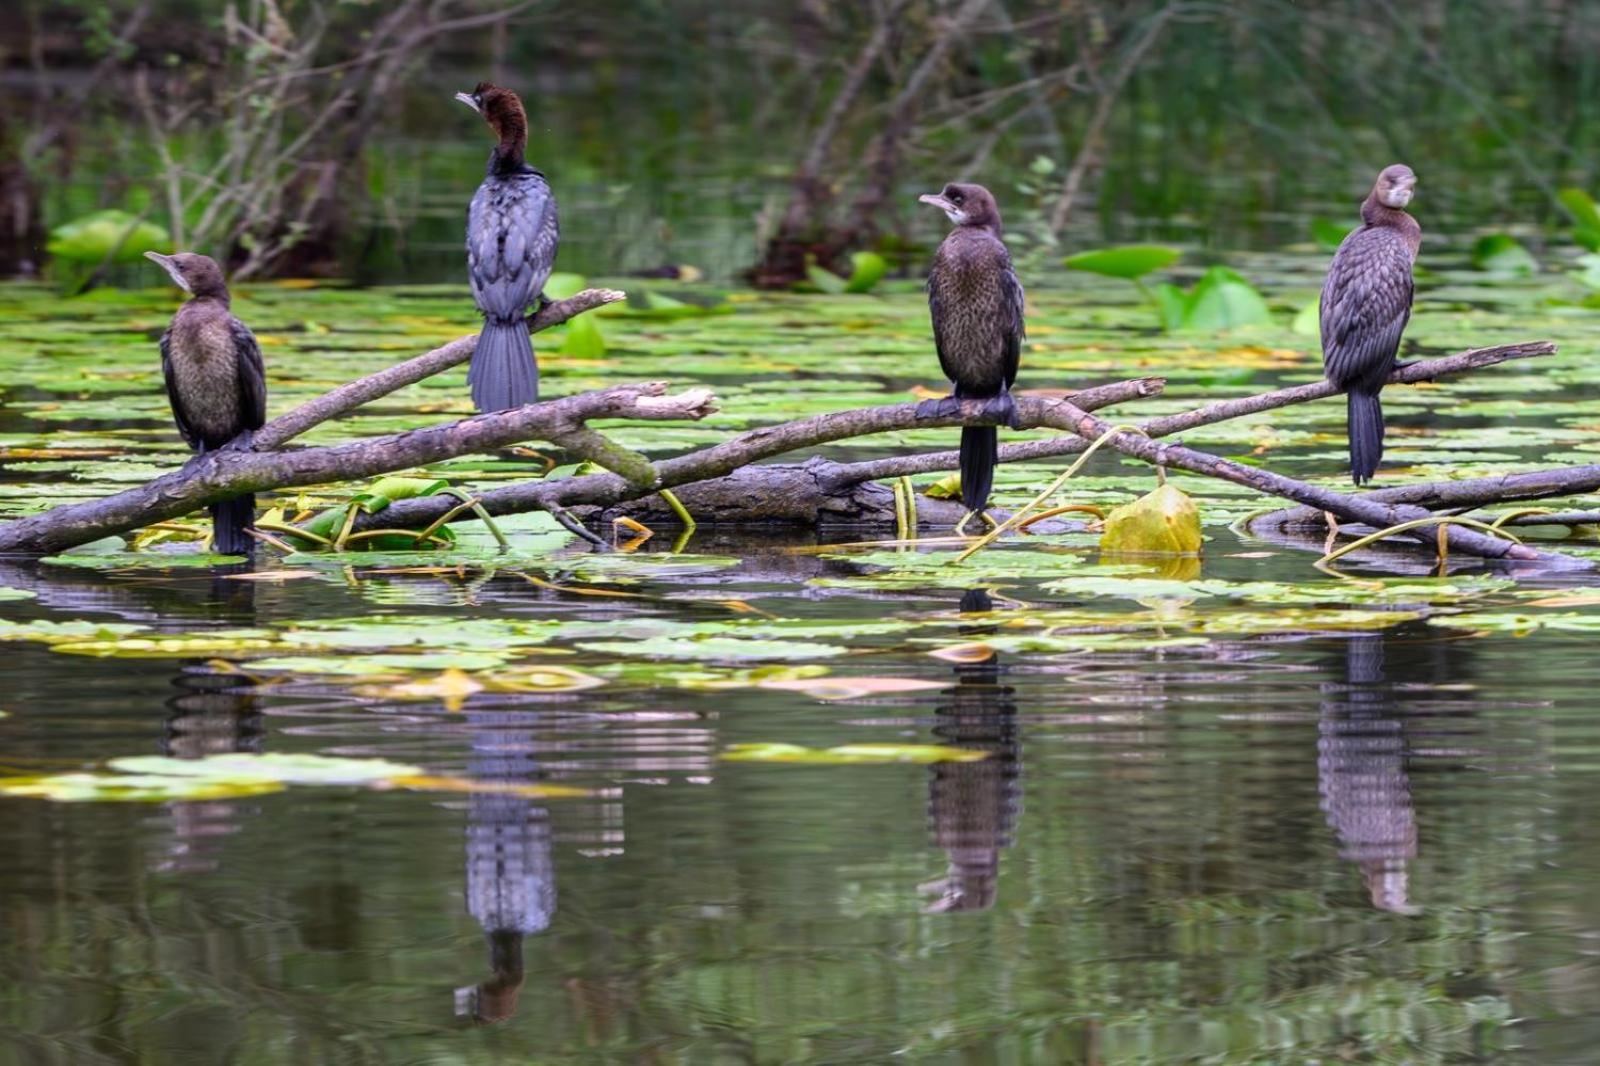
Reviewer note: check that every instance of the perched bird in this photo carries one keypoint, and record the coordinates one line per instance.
(1366, 303)
(512, 235)
(976, 303)
(215, 381)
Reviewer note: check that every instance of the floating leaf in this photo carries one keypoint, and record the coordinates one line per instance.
(851, 754)
(282, 768)
(1164, 520)
(1128, 261)
(451, 687)
(851, 688)
(130, 788)
(176, 647)
(715, 649)
(965, 653)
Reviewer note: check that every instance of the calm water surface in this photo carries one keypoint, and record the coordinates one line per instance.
(1342, 841)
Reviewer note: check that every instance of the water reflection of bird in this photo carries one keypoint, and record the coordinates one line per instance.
(215, 381)
(214, 714)
(975, 300)
(1362, 777)
(973, 806)
(512, 236)
(1366, 303)
(511, 883)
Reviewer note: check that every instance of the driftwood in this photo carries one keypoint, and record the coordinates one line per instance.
(725, 482)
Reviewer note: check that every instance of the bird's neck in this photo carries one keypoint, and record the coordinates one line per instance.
(205, 299)
(507, 157)
(1376, 213)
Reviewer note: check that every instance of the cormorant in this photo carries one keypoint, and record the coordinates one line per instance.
(1366, 303)
(215, 381)
(976, 303)
(512, 235)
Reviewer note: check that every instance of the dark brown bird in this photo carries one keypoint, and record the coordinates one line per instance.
(975, 300)
(215, 381)
(1366, 303)
(512, 236)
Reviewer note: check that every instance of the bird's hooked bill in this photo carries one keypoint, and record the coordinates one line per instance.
(170, 265)
(936, 200)
(467, 99)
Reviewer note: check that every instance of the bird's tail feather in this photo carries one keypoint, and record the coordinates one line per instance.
(503, 373)
(980, 447)
(229, 521)
(1366, 435)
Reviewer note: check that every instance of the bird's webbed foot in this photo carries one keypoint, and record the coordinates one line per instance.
(985, 516)
(943, 407)
(1003, 409)
(244, 442)
(542, 302)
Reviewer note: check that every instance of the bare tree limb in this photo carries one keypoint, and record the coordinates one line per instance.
(349, 396)
(750, 447)
(1467, 494)
(1220, 411)
(1350, 507)
(223, 474)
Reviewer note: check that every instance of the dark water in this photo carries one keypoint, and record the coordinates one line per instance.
(1348, 847)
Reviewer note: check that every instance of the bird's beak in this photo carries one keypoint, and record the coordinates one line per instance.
(937, 201)
(166, 262)
(467, 99)
(1400, 195)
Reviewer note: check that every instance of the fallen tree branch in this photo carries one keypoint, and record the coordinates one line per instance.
(1211, 413)
(1354, 508)
(1468, 493)
(223, 474)
(348, 397)
(753, 446)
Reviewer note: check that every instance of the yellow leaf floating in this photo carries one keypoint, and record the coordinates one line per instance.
(964, 653)
(451, 687)
(159, 778)
(1164, 521)
(850, 688)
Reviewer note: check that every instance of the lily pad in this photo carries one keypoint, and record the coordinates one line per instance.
(851, 754)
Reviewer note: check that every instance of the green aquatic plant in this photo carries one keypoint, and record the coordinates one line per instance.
(1585, 217)
(80, 248)
(1221, 299)
(866, 270)
(1500, 253)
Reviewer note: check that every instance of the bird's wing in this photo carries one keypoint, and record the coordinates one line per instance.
(184, 428)
(1014, 328)
(252, 375)
(937, 301)
(512, 234)
(1366, 303)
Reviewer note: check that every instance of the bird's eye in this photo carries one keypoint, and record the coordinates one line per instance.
(956, 198)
